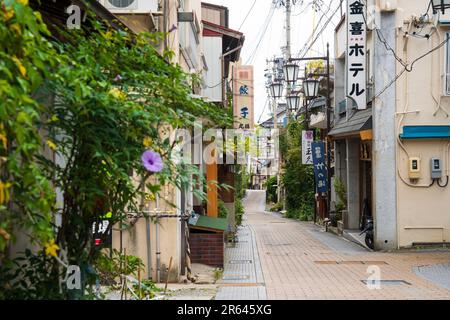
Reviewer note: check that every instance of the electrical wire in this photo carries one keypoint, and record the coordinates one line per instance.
(312, 34)
(248, 13)
(264, 110)
(321, 31)
(265, 28)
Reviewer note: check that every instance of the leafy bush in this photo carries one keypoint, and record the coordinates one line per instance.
(239, 211)
(277, 207)
(341, 195)
(110, 268)
(223, 212)
(271, 185)
(298, 179)
(29, 277)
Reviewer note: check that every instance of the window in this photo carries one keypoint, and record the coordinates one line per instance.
(447, 66)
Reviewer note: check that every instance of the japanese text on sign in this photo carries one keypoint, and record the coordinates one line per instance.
(356, 53)
(307, 139)
(320, 168)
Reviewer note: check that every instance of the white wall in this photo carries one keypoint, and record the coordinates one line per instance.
(213, 77)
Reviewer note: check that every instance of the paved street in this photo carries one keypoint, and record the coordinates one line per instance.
(278, 258)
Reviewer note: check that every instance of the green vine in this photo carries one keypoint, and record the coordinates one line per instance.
(76, 116)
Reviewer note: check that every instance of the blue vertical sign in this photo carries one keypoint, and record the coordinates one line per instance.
(320, 168)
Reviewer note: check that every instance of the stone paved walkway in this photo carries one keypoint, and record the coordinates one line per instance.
(242, 278)
(300, 261)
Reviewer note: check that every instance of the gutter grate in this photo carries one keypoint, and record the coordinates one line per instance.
(389, 282)
(240, 262)
(236, 278)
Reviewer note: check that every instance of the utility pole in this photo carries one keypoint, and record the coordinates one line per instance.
(277, 154)
(288, 55)
(328, 140)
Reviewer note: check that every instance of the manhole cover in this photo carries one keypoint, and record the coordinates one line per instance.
(388, 282)
(236, 278)
(240, 262)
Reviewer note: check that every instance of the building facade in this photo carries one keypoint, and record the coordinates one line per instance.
(392, 155)
(203, 44)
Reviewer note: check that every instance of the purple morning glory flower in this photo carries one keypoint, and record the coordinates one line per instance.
(152, 161)
(173, 28)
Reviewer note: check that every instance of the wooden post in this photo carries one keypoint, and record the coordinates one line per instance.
(168, 273)
(139, 283)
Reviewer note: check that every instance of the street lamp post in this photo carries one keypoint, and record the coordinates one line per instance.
(311, 91)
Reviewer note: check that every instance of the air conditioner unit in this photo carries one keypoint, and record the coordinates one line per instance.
(130, 6)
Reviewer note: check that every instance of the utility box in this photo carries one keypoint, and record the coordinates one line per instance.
(436, 168)
(415, 170)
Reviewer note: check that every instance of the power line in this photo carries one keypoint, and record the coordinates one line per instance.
(321, 31)
(266, 26)
(264, 110)
(312, 34)
(409, 67)
(248, 13)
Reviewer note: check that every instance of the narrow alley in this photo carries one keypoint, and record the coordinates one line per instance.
(282, 259)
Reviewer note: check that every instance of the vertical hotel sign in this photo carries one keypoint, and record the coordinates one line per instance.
(356, 53)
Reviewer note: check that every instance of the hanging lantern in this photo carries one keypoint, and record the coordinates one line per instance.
(293, 102)
(291, 71)
(311, 88)
(276, 90)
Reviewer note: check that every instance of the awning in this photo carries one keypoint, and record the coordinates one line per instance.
(231, 40)
(360, 121)
(425, 132)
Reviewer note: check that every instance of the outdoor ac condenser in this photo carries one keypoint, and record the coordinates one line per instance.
(130, 6)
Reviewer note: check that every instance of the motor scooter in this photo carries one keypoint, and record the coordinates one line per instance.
(368, 230)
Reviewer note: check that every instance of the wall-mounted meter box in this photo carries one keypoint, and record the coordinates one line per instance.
(415, 170)
(436, 168)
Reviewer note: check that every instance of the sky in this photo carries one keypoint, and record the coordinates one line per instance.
(304, 18)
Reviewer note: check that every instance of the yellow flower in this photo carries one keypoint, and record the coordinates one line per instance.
(15, 27)
(24, 2)
(51, 145)
(4, 140)
(19, 64)
(51, 248)
(108, 35)
(150, 197)
(148, 142)
(9, 14)
(4, 193)
(117, 93)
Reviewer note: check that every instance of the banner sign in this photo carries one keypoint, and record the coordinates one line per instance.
(320, 168)
(356, 53)
(102, 231)
(307, 140)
